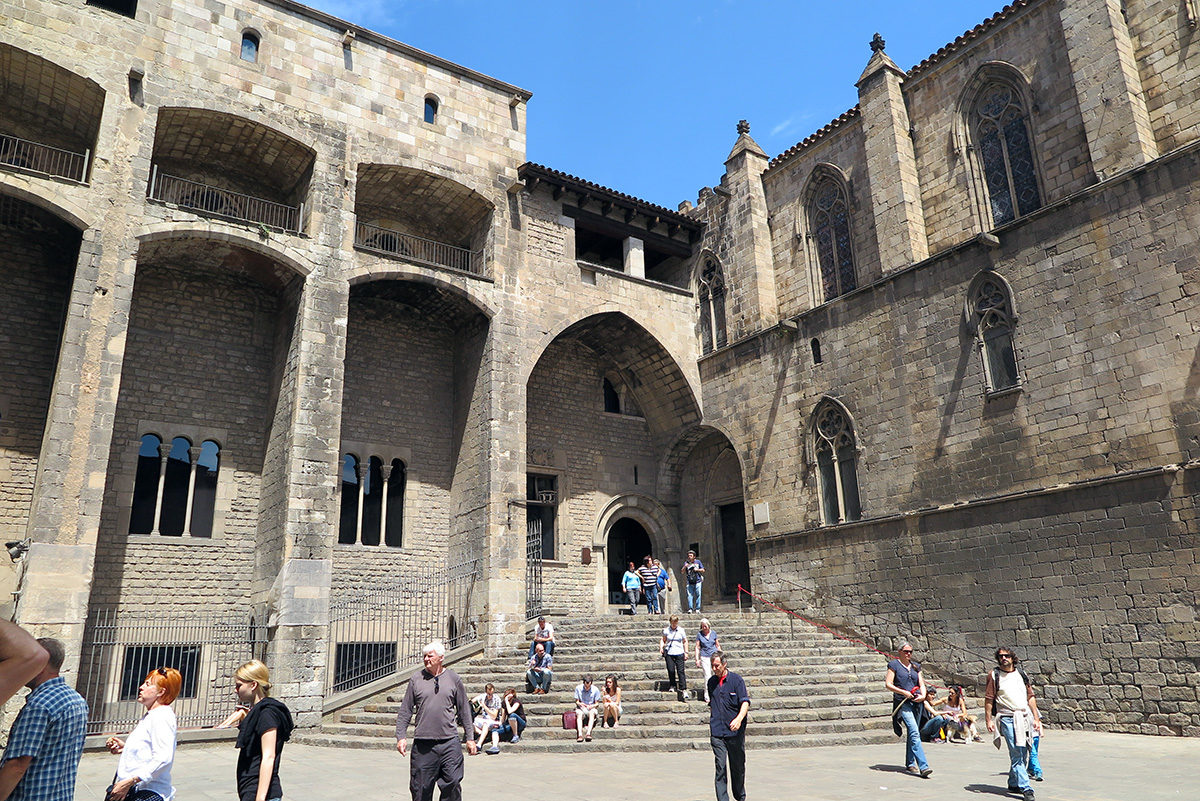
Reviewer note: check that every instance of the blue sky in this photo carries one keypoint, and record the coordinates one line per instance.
(644, 97)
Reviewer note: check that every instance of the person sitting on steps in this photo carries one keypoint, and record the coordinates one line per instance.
(540, 672)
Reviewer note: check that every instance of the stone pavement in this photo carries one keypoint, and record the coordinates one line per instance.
(1080, 766)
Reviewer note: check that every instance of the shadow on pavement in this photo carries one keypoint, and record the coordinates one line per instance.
(891, 769)
(989, 789)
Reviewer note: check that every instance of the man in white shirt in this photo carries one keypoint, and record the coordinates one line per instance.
(587, 699)
(674, 650)
(544, 634)
(1011, 711)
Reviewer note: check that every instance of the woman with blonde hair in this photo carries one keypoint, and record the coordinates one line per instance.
(262, 733)
(147, 754)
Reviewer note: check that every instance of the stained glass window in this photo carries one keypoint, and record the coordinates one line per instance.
(829, 217)
(1005, 153)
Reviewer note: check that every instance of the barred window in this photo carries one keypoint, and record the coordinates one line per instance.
(829, 221)
(372, 502)
(175, 487)
(712, 306)
(1001, 131)
(837, 463)
(993, 320)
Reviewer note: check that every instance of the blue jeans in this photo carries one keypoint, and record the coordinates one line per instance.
(533, 648)
(914, 753)
(931, 728)
(507, 728)
(539, 680)
(650, 594)
(693, 596)
(1018, 755)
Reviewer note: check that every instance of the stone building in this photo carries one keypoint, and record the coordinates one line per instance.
(295, 339)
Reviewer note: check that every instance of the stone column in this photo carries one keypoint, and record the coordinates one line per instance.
(749, 263)
(1111, 99)
(635, 257)
(891, 163)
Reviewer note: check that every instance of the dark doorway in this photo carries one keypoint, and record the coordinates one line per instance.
(733, 544)
(627, 542)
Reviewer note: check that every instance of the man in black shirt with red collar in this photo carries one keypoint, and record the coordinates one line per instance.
(729, 704)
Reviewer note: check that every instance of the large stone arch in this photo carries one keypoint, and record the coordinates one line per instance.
(647, 511)
(369, 269)
(218, 232)
(58, 200)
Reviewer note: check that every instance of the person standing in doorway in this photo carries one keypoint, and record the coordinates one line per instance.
(438, 697)
(674, 650)
(631, 582)
(46, 740)
(907, 684)
(693, 571)
(664, 586)
(729, 703)
(1011, 711)
(649, 575)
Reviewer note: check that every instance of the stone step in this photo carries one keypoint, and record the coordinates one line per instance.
(664, 702)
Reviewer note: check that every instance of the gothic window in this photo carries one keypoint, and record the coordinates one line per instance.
(993, 320)
(837, 463)
(250, 42)
(1001, 132)
(372, 502)
(712, 306)
(431, 108)
(175, 487)
(541, 494)
(829, 221)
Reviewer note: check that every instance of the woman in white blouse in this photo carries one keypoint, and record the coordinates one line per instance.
(144, 772)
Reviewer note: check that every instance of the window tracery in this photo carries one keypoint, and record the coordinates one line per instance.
(1005, 150)
(829, 221)
(711, 291)
(837, 463)
(994, 321)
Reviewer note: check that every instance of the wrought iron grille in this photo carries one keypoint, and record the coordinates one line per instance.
(34, 157)
(375, 633)
(533, 569)
(415, 248)
(213, 201)
(119, 649)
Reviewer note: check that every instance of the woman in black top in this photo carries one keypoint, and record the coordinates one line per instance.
(262, 733)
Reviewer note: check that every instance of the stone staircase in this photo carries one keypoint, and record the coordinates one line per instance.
(806, 688)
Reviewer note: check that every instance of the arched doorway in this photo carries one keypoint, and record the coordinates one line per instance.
(627, 542)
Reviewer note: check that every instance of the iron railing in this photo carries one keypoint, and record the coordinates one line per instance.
(119, 649)
(213, 201)
(533, 569)
(415, 248)
(39, 158)
(376, 633)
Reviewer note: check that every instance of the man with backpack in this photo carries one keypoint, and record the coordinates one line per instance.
(1011, 711)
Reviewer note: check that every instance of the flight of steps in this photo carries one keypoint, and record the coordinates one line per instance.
(812, 689)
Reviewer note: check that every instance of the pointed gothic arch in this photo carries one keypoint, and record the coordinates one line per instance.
(710, 295)
(826, 217)
(835, 453)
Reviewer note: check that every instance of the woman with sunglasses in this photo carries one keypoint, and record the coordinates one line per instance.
(144, 771)
(907, 684)
(261, 734)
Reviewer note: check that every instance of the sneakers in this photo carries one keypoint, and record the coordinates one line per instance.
(516, 739)
(495, 749)
(1037, 777)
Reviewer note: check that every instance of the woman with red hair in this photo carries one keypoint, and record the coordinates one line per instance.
(144, 772)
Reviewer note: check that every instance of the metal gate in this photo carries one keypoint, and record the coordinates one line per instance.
(206, 648)
(533, 569)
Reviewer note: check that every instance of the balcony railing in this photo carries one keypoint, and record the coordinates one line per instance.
(34, 157)
(212, 201)
(415, 248)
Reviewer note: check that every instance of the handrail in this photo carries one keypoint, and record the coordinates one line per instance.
(391, 242)
(44, 159)
(217, 202)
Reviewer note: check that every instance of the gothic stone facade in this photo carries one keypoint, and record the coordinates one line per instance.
(289, 319)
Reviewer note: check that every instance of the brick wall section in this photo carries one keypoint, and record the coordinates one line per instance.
(199, 354)
(36, 284)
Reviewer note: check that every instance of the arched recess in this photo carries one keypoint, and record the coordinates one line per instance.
(212, 338)
(703, 477)
(966, 148)
(420, 216)
(826, 208)
(50, 116)
(39, 251)
(414, 392)
(383, 270)
(650, 514)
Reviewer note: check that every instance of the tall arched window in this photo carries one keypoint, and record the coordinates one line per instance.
(1000, 128)
(372, 503)
(175, 487)
(250, 42)
(712, 306)
(829, 222)
(837, 463)
(431, 108)
(990, 310)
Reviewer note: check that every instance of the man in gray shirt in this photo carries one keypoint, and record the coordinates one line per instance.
(440, 700)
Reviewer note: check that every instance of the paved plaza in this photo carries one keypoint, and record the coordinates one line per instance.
(1080, 766)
